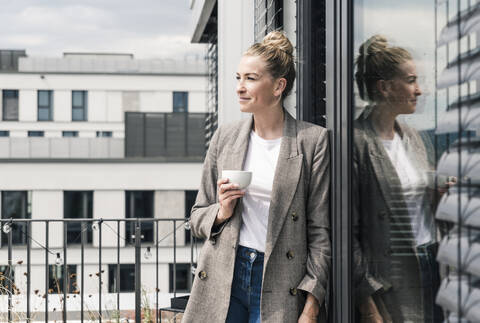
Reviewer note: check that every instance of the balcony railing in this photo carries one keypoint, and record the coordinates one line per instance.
(112, 259)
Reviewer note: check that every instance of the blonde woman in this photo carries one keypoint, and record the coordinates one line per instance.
(267, 254)
(395, 243)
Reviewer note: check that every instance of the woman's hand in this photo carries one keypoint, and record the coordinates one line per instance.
(310, 310)
(228, 194)
(369, 312)
(304, 318)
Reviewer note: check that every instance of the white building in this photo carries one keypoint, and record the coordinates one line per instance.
(69, 148)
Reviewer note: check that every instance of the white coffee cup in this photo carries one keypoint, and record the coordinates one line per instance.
(240, 177)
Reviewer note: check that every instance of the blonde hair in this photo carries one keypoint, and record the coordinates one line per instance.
(377, 60)
(277, 51)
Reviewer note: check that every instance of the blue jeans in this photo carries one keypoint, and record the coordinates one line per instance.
(246, 287)
(430, 279)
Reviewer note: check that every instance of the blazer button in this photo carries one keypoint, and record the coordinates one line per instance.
(388, 252)
(202, 275)
(294, 216)
(293, 291)
(290, 255)
(382, 215)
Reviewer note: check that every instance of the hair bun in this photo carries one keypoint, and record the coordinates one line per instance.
(277, 39)
(375, 44)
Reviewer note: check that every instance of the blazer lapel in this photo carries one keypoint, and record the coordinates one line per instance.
(386, 174)
(287, 174)
(238, 151)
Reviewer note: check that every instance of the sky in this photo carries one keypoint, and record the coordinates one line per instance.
(145, 28)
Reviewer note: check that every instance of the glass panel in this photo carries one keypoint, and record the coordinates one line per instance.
(180, 101)
(78, 98)
(44, 98)
(139, 204)
(7, 278)
(406, 123)
(10, 105)
(15, 205)
(55, 283)
(44, 114)
(127, 278)
(78, 205)
(78, 114)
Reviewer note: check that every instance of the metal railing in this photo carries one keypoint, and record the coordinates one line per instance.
(61, 254)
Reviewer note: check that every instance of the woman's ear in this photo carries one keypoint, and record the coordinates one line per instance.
(383, 88)
(280, 85)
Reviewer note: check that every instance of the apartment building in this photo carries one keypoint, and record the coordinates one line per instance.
(101, 136)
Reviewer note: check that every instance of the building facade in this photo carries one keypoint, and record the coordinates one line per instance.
(100, 136)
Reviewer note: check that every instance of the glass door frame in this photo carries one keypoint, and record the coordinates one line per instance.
(339, 110)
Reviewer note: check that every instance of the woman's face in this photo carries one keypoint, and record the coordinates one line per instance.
(403, 90)
(256, 88)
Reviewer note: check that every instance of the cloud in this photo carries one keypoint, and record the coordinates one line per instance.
(146, 28)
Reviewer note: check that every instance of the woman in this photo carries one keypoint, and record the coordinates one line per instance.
(395, 244)
(267, 257)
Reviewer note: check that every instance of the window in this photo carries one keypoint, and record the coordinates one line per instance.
(183, 278)
(35, 133)
(127, 278)
(180, 101)
(4, 133)
(55, 279)
(45, 105)
(16, 205)
(7, 278)
(10, 105)
(79, 106)
(104, 134)
(69, 133)
(190, 197)
(139, 204)
(78, 205)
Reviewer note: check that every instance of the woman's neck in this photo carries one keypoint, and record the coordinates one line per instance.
(268, 124)
(383, 121)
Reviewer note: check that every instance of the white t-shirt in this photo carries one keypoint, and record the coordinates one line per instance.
(413, 185)
(261, 160)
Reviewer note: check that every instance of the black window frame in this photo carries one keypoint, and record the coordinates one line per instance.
(183, 277)
(84, 211)
(55, 284)
(126, 285)
(36, 133)
(83, 107)
(183, 106)
(131, 211)
(69, 134)
(5, 97)
(48, 107)
(104, 134)
(7, 278)
(19, 229)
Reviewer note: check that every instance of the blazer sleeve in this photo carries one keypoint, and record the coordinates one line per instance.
(204, 212)
(318, 222)
(365, 284)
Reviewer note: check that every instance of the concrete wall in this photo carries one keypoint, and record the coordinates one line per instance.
(235, 35)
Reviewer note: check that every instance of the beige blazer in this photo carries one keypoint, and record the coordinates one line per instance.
(377, 208)
(297, 255)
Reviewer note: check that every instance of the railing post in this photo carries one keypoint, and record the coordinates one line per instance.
(10, 278)
(138, 287)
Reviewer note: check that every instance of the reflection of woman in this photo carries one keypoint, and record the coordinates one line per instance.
(394, 247)
(267, 257)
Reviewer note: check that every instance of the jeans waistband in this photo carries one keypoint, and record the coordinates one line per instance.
(249, 253)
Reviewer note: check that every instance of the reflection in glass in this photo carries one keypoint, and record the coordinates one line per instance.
(396, 275)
